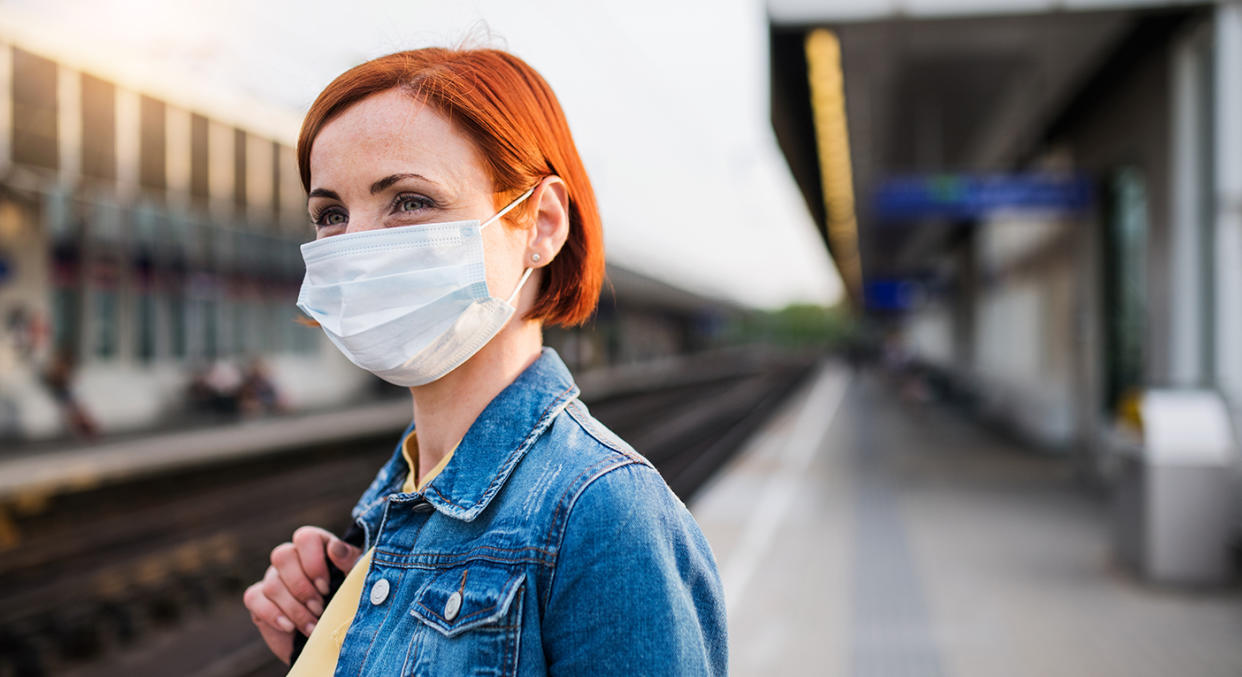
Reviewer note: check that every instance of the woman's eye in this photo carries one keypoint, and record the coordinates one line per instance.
(410, 203)
(329, 217)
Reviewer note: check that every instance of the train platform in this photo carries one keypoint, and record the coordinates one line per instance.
(32, 472)
(860, 534)
(75, 466)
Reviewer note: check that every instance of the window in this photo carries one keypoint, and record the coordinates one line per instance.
(34, 110)
(98, 128)
(240, 343)
(1206, 152)
(65, 303)
(106, 309)
(151, 149)
(1125, 285)
(276, 178)
(264, 324)
(239, 168)
(290, 196)
(211, 345)
(145, 319)
(176, 323)
(199, 181)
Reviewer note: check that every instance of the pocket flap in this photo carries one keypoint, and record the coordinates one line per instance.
(466, 597)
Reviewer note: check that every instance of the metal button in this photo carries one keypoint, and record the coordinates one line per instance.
(452, 606)
(379, 591)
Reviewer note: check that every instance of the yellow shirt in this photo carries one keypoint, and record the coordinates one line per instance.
(318, 657)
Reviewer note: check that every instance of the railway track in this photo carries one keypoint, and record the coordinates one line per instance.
(145, 577)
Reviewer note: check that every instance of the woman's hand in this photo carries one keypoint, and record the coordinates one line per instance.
(291, 594)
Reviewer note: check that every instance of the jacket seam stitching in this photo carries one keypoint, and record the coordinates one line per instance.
(509, 595)
(514, 645)
(433, 567)
(375, 634)
(600, 469)
(589, 429)
(464, 554)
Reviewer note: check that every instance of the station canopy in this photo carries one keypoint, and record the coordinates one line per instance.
(866, 94)
(842, 11)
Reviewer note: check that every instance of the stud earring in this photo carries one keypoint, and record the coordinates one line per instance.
(534, 257)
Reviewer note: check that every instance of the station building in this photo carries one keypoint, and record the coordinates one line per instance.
(1043, 200)
(147, 228)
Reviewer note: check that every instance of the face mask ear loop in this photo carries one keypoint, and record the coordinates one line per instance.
(525, 276)
(511, 205)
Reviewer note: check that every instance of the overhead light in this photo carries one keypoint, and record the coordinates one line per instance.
(824, 75)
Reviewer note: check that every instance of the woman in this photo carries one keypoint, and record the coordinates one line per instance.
(510, 533)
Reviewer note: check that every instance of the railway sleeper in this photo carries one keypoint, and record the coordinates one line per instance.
(76, 632)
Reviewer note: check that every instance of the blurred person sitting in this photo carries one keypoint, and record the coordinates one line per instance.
(59, 377)
(217, 389)
(257, 393)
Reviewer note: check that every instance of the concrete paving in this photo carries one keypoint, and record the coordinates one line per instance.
(862, 535)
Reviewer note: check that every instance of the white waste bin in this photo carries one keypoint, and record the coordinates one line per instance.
(1174, 504)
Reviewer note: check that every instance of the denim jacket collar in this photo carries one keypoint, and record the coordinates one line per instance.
(491, 449)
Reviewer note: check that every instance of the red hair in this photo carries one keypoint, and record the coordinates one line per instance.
(515, 121)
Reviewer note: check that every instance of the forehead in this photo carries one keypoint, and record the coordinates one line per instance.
(391, 133)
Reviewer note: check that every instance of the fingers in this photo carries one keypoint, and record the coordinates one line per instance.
(288, 564)
(290, 596)
(276, 630)
(280, 643)
(275, 589)
(264, 611)
(343, 555)
(309, 543)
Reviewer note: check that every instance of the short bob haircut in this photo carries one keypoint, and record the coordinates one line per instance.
(516, 123)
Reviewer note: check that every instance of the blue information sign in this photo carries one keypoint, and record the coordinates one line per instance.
(965, 196)
(889, 294)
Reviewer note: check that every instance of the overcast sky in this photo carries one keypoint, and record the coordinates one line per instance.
(667, 101)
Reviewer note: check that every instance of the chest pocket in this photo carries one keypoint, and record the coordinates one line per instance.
(470, 621)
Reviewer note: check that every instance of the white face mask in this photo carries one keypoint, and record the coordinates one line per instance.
(409, 304)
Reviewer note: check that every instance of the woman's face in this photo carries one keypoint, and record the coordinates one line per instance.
(391, 161)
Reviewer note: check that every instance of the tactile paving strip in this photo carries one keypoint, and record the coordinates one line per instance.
(892, 631)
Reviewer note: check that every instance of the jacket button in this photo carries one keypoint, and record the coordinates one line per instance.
(379, 591)
(452, 606)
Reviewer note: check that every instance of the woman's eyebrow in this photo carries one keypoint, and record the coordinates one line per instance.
(324, 192)
(389, 180)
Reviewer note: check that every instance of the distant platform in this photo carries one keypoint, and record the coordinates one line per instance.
(861, 535)
(45, 470)
(80, 467)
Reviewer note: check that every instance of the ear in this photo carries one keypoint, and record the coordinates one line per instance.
(551, 226)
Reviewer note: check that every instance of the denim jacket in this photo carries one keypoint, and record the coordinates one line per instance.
(546, 546)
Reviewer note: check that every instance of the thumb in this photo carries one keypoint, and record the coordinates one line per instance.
(342, 554)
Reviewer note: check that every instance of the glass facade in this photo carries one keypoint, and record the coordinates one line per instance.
(1125, 284)
(152, 277)
(165, 284)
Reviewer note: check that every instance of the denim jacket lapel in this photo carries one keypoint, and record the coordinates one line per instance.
(500, 437)
(487, 455)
